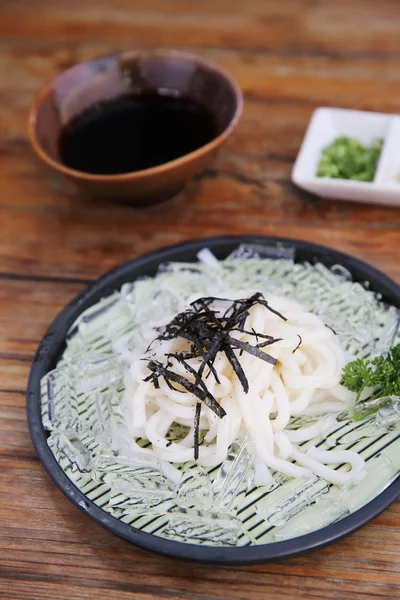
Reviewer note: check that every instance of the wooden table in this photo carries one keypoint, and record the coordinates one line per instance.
(289, 57)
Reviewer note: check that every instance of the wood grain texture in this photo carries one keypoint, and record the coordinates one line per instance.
(289, 57)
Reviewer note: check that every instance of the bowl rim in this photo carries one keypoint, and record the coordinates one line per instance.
(50, 346)
(153, 171)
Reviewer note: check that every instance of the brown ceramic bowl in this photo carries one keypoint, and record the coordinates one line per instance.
(109, 77)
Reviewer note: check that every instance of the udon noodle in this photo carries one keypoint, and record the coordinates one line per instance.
(304, 381)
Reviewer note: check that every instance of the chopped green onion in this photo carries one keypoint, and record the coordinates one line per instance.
(347, 158)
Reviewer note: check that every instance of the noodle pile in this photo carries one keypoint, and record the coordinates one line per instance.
(305, 381)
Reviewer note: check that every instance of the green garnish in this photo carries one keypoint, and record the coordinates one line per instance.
(357, 375)
(382, 374)
(347, 158)
(367, 409)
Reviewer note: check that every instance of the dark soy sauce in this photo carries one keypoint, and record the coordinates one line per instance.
(131, 133)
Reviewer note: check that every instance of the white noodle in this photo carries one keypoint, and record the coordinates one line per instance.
(308, 433)
(305, 381)
(283, 444)
(262, 476)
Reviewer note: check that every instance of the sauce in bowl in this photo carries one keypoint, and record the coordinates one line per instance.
(135, 132)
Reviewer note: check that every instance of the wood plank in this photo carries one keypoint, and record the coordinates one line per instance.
(263, 77)
(293, 26)
(14, 373)
(26, 310)
(85, 245)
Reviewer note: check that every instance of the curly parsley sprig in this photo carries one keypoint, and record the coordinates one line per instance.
(382, 374)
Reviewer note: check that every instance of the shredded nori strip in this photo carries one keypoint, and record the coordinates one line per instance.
(254, 350)
(299, 344)
(268, 342)
(209, 333)
(159, 370)
(236, 366)
(197, 430)
(331, 328)
(255, 334)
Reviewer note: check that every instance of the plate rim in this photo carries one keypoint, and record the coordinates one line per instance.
(49, 347)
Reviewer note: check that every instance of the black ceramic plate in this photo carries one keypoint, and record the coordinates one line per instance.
(53, 344)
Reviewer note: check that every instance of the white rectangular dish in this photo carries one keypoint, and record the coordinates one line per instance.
(325, 126)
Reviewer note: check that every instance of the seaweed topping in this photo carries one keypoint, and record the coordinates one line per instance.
(299, 344)
(197, 430)
(208, 332)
